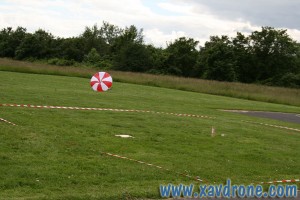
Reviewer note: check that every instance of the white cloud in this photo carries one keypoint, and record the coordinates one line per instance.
(155, 36)
(295, 33)
(176, 18)
(180, 8)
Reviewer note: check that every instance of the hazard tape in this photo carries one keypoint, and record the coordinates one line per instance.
(105, 109)
(281, 181)
(272, 125)
(153, 165)
(146, 111)
(189, 176)
(4, 120)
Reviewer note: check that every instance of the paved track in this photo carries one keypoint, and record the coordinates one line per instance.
(286, 117)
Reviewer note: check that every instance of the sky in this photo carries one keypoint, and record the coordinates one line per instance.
(162, 21)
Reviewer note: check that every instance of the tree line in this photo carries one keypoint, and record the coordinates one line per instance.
(269, 56)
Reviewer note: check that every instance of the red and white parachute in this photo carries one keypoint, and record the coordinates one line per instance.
(101, 81)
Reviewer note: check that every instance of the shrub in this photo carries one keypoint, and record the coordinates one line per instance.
(60, 62)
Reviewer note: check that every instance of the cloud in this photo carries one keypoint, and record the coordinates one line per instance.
(275, 13)
(162, 20)
(155, 36)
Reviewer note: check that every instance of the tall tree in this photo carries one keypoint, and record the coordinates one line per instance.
(130, 54)
(37, 45)
(218, 59)
(91, 38)
(182, 57)
(274, 53)
(109, 32)
(246, 68)
(158, 58)
(72, 49)
(10, 40)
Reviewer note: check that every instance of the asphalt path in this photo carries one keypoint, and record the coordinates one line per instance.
(286, 117)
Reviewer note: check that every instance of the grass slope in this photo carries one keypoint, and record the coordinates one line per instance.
(238, 90)
(55, 154)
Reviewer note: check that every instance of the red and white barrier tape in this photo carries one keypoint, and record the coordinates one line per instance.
(281, 181)
(152, 165)
(271, 125)
(145, 163)
(189, 176)
(4, 120)
(105, 109)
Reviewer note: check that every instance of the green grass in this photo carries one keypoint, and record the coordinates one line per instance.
(56, 154)
(238, 90)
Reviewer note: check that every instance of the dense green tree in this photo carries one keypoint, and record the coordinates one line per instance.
(274, 53)
(10, 40)
(37, 45)
(133, 57)
(244, 60)
(103, 40)
(182, 57)
(91, 38)
(290, 79)
(268, 56)
(130, 54)
(218, 59)
(109, 33)
(130, 35)
(93, 57)
(297, 55)
(72, 49)
(158, 58)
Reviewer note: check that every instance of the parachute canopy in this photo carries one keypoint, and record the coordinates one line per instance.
(101, 81)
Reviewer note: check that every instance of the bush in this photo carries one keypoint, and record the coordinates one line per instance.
(289, 80)
(60, 62)
(104, 64)
(92, 57)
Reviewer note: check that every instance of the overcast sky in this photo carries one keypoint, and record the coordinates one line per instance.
(162, 20)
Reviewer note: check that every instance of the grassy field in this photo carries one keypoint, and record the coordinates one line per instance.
(238, 90)
(56, 154)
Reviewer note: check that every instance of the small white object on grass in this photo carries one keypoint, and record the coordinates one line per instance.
(124, 136)
(222, 135)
